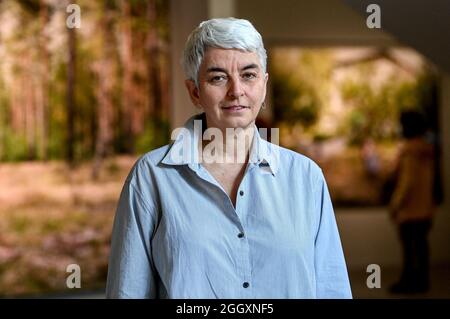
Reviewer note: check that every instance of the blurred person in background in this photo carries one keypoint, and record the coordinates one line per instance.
(371, 158)
(412, 204)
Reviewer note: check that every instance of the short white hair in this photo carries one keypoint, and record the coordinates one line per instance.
(224, 33)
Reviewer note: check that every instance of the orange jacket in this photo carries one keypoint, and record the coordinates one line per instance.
(413, 195)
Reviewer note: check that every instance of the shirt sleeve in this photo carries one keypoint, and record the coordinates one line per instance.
(330, 268)
(131, 272)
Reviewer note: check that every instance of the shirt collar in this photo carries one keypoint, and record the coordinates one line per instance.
(184, 148)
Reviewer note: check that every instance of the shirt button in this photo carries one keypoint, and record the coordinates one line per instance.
(240, 235)
(241, 193)
(245, 284)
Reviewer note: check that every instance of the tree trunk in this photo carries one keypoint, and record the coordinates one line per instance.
(70, 96)
(157, 67)
(127, 84)
(152, 58)
(45, 71)
(106, 76)
(164, 80)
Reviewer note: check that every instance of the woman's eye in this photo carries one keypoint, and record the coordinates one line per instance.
(217, 78)
(249, 76)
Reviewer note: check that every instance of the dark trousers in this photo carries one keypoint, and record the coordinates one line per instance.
(414, 239)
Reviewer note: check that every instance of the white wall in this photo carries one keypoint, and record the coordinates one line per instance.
(185, 15)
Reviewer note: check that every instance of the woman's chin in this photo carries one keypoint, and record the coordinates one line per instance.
(233, 121)
(237, 123)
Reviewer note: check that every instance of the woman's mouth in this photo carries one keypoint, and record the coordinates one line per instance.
(235, 108)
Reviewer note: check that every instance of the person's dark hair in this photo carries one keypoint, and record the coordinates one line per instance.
(413, 124)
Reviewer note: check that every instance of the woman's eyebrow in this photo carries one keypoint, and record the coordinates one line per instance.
(215, 69)
(250, 66)
(218, 69)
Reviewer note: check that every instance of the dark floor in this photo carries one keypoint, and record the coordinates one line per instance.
(439, 288)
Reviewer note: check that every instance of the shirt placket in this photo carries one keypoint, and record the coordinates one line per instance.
(243, 264)
(241, 210)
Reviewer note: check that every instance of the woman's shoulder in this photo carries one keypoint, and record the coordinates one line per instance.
(154, 157)
(146, 164)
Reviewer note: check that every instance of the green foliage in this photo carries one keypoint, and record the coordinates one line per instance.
(375, 111)
(20, 224)
(58, 118)
(299, 92)
(320, 137)
(294, 102)
(14, 146)
(369, 99)
(156, 134)
(86, 103)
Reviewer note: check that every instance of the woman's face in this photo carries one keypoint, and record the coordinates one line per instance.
(231, 89)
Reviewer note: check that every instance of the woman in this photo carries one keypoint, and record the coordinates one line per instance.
(193, 222)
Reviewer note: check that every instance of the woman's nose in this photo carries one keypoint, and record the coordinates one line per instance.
(235, 89)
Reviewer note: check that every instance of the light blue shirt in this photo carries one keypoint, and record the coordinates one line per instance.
(177, 234)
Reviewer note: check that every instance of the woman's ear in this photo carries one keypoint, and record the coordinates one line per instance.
(266, 78)
(193, 92)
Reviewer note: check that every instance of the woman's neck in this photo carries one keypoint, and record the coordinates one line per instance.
(232, 147)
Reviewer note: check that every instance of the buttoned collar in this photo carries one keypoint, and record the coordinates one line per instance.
(184, 148)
